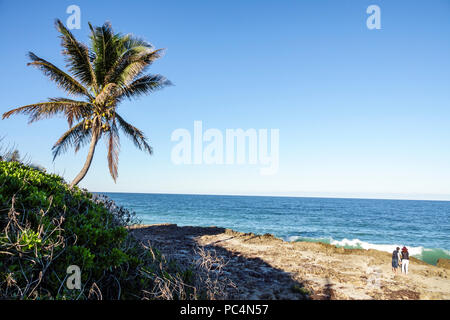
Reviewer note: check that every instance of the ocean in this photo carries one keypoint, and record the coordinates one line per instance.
(422, 226)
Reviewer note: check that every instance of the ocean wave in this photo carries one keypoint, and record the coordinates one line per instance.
(356, 243)
(429, 255)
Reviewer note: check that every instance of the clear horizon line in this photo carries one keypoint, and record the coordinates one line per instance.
(279, 196)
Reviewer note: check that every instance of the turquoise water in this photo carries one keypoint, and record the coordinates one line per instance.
(423, 226)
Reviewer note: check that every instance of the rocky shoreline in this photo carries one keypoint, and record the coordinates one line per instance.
(265, 267)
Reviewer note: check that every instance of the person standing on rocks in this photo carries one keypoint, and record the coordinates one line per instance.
(405, 260)
(395, 259)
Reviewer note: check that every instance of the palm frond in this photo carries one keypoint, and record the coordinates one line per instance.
(71, 108)
(75, 137)
(76, 110)
(105, 45)
(62, 79)
(130, 41)
(131, 64)
(144, 85)
(113, 145)
(92, 54)
(77, 56)
(136, 135)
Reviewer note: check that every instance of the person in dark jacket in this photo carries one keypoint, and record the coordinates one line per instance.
(405, 260)
(395, 259)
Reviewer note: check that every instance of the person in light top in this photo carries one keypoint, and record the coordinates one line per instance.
(405, 260)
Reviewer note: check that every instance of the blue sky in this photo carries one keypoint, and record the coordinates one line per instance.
(361, 113)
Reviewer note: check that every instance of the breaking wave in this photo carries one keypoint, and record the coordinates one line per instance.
(429, 255)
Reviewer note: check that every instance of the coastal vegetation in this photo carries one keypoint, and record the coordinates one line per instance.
(100, 77)
(46, 226)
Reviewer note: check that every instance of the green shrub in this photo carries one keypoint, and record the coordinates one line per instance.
(299, 289)
(46, 227)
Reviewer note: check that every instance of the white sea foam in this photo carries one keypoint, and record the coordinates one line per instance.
(426, 254)
(359, 244)
(293, 238)
(356, 243)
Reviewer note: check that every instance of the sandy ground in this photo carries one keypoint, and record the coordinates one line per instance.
(265, 267)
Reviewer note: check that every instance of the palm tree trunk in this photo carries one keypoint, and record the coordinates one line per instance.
(87, 164)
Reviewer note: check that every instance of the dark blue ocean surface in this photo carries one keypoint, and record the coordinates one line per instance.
(423, 226)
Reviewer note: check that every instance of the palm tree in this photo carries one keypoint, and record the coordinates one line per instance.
(102, 76)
